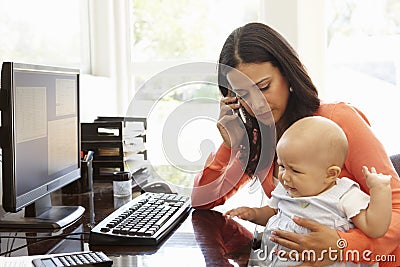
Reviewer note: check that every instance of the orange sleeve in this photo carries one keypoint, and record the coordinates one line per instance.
(219, 180)
(365, 149)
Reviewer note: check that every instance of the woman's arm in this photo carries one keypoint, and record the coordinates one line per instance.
(220, 179)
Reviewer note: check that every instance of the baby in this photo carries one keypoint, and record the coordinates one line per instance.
(310, 156)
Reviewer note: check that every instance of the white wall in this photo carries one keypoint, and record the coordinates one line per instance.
(97, 97)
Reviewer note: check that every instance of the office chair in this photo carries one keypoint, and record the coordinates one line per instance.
(396, 162)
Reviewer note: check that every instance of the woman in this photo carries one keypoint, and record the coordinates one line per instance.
(270, 63)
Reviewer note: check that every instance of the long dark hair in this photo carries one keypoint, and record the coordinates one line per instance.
(259, 43)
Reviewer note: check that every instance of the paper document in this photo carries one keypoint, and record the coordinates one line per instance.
(23, 261)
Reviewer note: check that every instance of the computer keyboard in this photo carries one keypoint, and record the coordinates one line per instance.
(145, 220)
(80, 259)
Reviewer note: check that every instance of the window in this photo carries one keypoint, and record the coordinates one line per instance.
(169, 33)
(364, 62)
(42, 32)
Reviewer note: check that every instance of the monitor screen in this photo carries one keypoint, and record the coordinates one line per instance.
(40, 138)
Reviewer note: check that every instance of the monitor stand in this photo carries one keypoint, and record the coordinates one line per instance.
(42, 215)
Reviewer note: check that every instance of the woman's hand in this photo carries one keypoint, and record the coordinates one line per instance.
(323, 242)
(228, 124)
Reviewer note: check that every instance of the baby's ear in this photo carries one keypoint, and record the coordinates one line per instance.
(332, 173)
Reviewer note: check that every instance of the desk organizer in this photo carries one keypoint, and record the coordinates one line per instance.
(116, 142)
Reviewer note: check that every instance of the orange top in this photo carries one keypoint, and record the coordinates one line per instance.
(223, 176)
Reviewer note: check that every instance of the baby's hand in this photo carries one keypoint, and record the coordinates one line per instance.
(376, 179)
(244, 213)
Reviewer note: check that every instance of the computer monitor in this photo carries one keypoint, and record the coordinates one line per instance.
(40, 142)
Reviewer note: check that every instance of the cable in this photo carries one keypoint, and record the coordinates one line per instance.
(13, 241)
(45, 237)
(41, 238)
(26, 245)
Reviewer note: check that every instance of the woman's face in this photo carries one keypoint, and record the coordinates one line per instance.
(264, 78)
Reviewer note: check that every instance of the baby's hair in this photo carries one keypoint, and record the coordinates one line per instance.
(321, 134)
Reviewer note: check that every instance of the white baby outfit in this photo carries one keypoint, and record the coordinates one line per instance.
(332, 208)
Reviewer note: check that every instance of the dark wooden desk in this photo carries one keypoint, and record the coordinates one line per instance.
(204, 238)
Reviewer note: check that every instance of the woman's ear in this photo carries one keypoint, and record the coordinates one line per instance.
(332, 173)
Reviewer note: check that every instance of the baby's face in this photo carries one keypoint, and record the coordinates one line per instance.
(301, 171)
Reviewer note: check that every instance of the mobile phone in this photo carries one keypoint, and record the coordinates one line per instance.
(241, 115)
(239, 111)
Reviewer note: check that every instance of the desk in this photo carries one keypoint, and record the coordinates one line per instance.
(204, 238)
